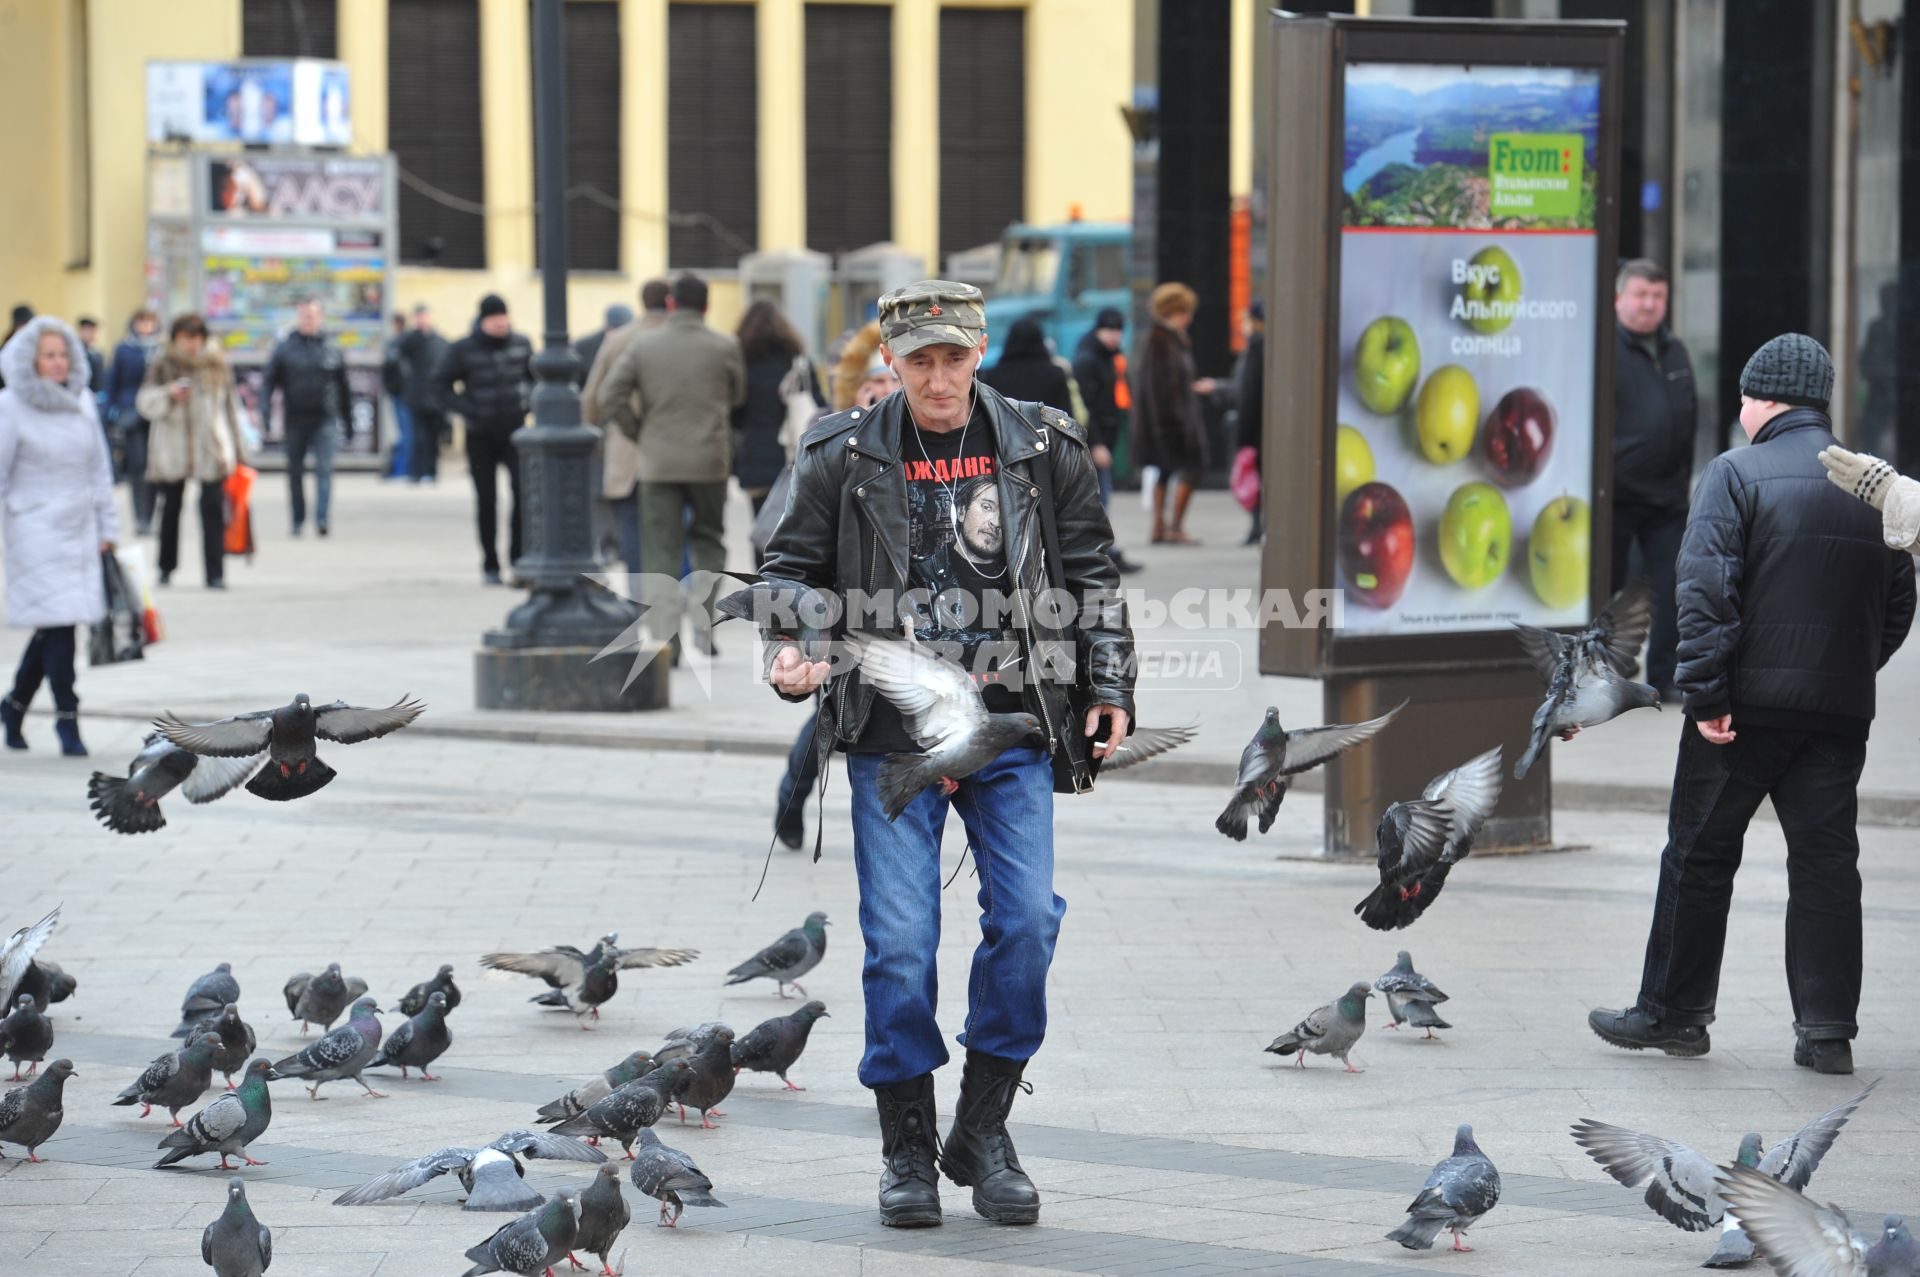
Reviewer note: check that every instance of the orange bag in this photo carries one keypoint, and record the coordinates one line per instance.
(239, 539)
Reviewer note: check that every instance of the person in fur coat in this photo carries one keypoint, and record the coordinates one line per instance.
(196, 434)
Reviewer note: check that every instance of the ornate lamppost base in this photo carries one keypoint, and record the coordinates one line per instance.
(569, 680)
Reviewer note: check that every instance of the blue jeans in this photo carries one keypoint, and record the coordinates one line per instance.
(400, 457)
(1007, 808)
(626, 526)
(1105, 476)
(321, 438)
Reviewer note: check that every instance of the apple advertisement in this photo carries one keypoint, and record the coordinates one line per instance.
(1463, 453)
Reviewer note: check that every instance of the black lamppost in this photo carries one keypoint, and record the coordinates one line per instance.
(541, 657)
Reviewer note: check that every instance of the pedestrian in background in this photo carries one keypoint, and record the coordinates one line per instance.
(1249, 399)
(620, 469)
(1169, 427)
(124, 377)
(485, 378)
(197, 433)
(393, 380)
(56, 489)
(423, 350)
(1100, 371)
(1025, 369)
(777, 369)
(316, 407)
(22, 313)
(587, 349)
(88, 329)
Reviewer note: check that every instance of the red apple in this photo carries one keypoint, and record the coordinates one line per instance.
(1376, 544)
(1519, 436)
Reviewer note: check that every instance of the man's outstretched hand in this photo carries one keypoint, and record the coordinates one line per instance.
(1718, 730)
(794, 675)
(1116, 736)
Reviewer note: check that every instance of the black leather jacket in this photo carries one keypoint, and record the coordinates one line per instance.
(311, 375)
(846, 528)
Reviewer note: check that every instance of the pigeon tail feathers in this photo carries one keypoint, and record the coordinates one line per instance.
(269, 784)
(902, 777)
(117, 808)
(1418, 1233)
(502, 1193)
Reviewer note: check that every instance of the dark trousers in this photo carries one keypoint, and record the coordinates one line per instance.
(428, 427)
(322, 440)
(133, 447)
(49, 656)
(213, 527)
(803, 773)
(677, 518)
(1657, 531)
(487, 451)
(1813, 780)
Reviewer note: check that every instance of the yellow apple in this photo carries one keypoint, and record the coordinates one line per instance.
(1447, 415)
(1560, 551)
(1352, 462)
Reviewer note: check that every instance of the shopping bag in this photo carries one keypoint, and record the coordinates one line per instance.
(239, 496)
(1149, 483)
(118, 637)
(133, 565)
(1246, 479)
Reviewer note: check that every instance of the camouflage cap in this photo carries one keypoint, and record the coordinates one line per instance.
(930, 313)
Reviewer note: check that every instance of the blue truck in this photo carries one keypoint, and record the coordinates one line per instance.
(1063, 275)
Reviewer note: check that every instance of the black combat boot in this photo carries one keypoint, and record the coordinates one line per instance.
(910, 1184)
(979, 1153)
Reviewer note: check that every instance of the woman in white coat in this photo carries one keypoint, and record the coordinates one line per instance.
(56, 516)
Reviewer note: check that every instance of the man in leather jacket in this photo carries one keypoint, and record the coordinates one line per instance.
(316, 405)
(876, 507)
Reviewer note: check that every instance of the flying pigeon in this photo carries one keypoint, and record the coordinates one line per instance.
(234, 1120)
(1411, 997)
(1586, 673)
(237, 1244)
(343, 1052)
(1801, 1238)
(46, 983)
(237, 1043)
(805, 614)
(669, 1177)
(709, 1081)
(604, 1215)
(531, 1244)
(176, 1079)
(491, 1174)
(205, 999)
(25, 1035)
(788, 958)
(1460, 1190)
(774, 1045)
(319, 999)
(1681, 1184)
(414, 1001)
(1331, 1029)
(30, 1114)
(1274, 754)
(423, 1039)
(566, 970)
(629, 1108)
(576, 1101)
(1145, 743)
(1420, 840)
(130, 804)
(294, 769)
(16, 956)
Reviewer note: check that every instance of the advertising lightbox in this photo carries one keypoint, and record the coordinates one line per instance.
(254, 101)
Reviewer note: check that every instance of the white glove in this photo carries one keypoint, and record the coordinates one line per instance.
(1900, 519)
(1875, 482)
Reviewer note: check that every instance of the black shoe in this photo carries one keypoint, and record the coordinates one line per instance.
(216, 585)
(321, 528)
(491, 576)
(12, 714)
(1633, 1030)
(979, 1153)
(910, 1184)
(791, 836)
(166, 577)
(1824, 1055)
(66, 725)
(1123, 565)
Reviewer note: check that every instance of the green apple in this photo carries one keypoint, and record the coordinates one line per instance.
(1559, 552)
(1476, 535)
(1352, 462)
(1491, 277)
(1447, 415)
(1386, 364)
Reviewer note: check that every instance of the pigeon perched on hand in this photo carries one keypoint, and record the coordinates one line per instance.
(1461, 1189)
(806, 615)
(1275, 754)
(16, 958)
(414, 1001)
(206, 998)
(237, 1043)
(628, 1109)
(1586, 673)
(774, 1045)
(25, 1035)
(491, 1174)
(288, 734)
(1801, 1238)
(669, 1177)
(237, 1244)
(176, 1079)
(531, 1244)
(1421, 839)
(226, 1126)
(576, 1101)
(1411, 997)
(130, 804)
(604, 1215)
(1331, 1029)
(567, 971)
(342, 1053)
(423, 1039)
(788, 958)
(319, 999)
(30, 1114)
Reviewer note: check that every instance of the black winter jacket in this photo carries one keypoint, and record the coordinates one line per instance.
(758, 454)
(1654, 420)
(422, 350)
(1096, 369)
(1026, 371)
(1789, 600)
(485, 380)
(311, 375)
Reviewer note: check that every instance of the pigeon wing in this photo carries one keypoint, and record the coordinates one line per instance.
(1617, 633)
(235, 737)
(1424, 839)
(1798, 1236)
(1413, 985)
(561, 968)
(1471, 790)
(656, 957)
(936, 699)
(335, 1049)
(1680, 1182)
(12, 1105)
(1148, 742)
(783, 954)
(17, 954)
(1311, 746)
(1544, 648)
(559, 1148)
(404, 1179)
(212, 778)
(218, 1121)
(1793, 1160)
(350, 724)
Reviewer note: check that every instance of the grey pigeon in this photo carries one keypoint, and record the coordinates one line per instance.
(669, 1177)
(1421, 839)
(226, 1126)
(319, 999)
(491, 1174)
(130, 804)
(1274, 754)
(176, 1079)
(565, 969)
(46, 983)
(1144, 743)
(1411, 997)
(709, 1080)
(205, 999)
(288, 734)
(685, 1044)
(788, 958)
(800, 612)
(531, 1244)
(30, 1114)
(1460, 1190)
(598, 983)
(942, 711)
(237, 1043)
(774, 1045)
(627, 1109)
(1801, 1238)
(16, 956)
(341, 1053)
(576, 1101)
(26, 1035)
(417, 1043)
(1331, 1029)
(237, 1244)
(604, 1215)
(414, 1001)
(1585, 672)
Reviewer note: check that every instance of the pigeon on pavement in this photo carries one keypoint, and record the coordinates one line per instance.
(30, 1114)
(604, 1215)
(342, 1053)
(294, 768)
(205, 999)
(319, 999)
(788, 958)
(491, 1174)
(130, 804)
(773, 1045)
(576, 1101)
(1411, 997)
(423, 1039)
(226, 1126)
(1421, 839)
(237, 1043)
(669, 1177)
(1461, 1189)
(1274, 754)
(16, 957)
(414, 1001)
(1331, 1029)
(25, 1035)
(709, 1081)
(685, 1044)
(531, 1244)
(1587, 673)
(566, 970)
(629, 1108)
(237, 1244)
(176, 1079)
(1801, 1238)
(598, 983)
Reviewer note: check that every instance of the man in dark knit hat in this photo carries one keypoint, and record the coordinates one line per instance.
(486, 377)
(1789, 604)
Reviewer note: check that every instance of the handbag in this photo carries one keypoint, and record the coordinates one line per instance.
(118, 637)
(796, 391)
(1246, 479)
